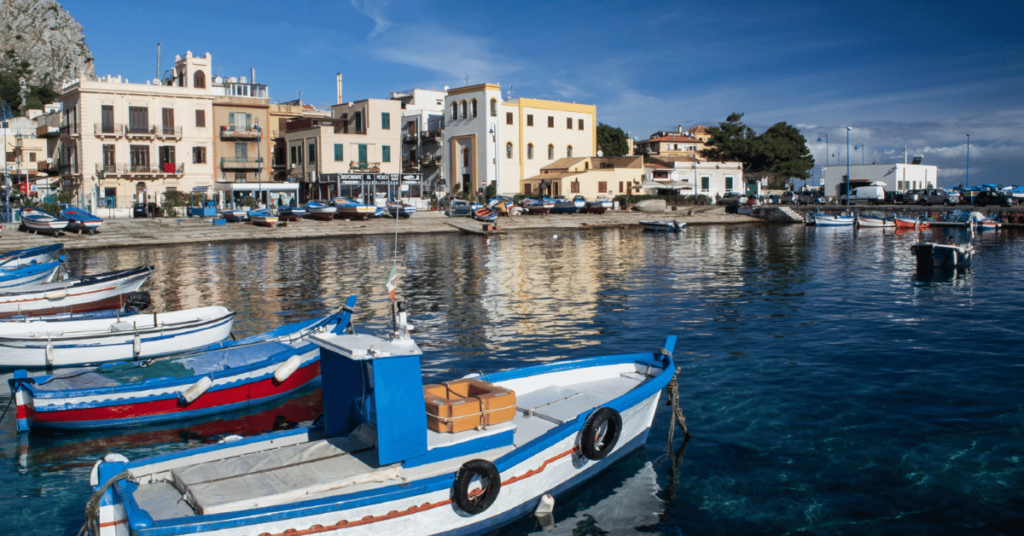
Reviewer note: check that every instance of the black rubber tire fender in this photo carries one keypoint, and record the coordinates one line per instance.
(484, 470)
(595, 445)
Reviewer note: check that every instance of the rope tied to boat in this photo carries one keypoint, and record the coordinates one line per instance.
(92, 506)
(677, 412)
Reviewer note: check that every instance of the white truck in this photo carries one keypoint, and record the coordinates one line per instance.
(872, 195)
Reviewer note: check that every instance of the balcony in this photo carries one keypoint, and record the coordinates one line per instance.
(47, 131)
(69, 129)
(140, 131)
(431, 135)
(108, 130)
(240, 163)
(409, 138)
(140, 170)
(227, 133)
(369, 167)
(153, 132)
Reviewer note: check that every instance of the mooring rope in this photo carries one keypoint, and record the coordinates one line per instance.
(677, 412)
(92, 506)
(7, 408)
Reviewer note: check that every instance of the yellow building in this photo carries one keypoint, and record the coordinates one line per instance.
(589, 176)
(243, 142)
(133, 142)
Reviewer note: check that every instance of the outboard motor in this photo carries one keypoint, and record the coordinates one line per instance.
(136, 302)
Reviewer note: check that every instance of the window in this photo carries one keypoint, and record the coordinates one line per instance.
(299, 159)
(472, 109)
(200, 118)
(339, 152)
(199, 155)
(167, 160)
(728, 184)
(107, 116)
(508, 150)
(494, 107)
(139, 158)
(455, 111)
(551, 121)
(580, 122)
(239, 121)
(705, 184)
(111, 195)
(362, 154)
(240, 176)
(312, 153)
(168, 116)
(465, 157)
(463, 109)
(385, 153)
(620, 187)
(199, 79)
(529, 120)
(241, 152)
(385, 121)
(568, 123)
(568, 152)
(508, 118)
(295, 158)
(551, 152)
(138, 119)
(109, 162)
(529, 152)
(574, 187)
(602, 187)
(527, 191)
(359, 121)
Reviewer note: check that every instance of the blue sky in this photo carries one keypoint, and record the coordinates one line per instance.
(920, 74)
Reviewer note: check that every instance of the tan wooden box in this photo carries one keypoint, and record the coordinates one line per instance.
(461, 405)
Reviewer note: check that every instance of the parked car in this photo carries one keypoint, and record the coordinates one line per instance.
(992, 197)
(872, 195)
(891, 198)
(458, 208)
(733, 198)
(811, 199)
(143, 210)
(935, 196)
(788, 197)
(911, 197)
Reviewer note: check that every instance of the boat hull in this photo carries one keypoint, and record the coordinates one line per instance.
(360, 212)
(907, 223)
(37, 255)
(662, 226)
(826, 220)
(74, 296)
(867, 221)
(235, 216)
(27, 276)
(932, 256)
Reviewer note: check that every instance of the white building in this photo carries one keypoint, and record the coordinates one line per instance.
(897, 177)
(423, 134)
(687, 177)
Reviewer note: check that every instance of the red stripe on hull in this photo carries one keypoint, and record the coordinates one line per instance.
(250, 392)
(113, 302)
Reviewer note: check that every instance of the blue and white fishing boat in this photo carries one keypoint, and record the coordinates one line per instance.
(320, 210)
(235, 215)
(350, 209)
(392, 456)
(28, 275)
(400, 209)
(828, 220)
(263, 217)
(564, 206)
(227, 376)
(485, 214)
(80, 220)
(291, 213)
(22, 257)
(538, 206)
(36, 343)
(662, 226)
(39, 221)
(110, 290)
(598, 206)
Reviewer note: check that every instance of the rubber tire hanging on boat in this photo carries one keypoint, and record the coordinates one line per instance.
(463, 479)
(589, 445)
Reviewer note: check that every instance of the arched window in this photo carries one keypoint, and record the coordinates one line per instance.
(494, 107)
(551, 152)
(472, 109)
(508, 150)
(455, 111)
(199, 79)
(463, 109)
(529, 152)
(465, 157)
(568, 152)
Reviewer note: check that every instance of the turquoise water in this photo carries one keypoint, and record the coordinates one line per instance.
(829, 390)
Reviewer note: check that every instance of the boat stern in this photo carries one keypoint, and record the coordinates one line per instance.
(24, 401)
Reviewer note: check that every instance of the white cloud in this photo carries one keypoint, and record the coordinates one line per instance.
(375, 10)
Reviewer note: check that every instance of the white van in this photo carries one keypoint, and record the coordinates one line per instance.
(872, 195)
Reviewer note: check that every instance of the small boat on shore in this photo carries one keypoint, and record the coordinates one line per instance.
(77, 341)
(350, 209)
(485, 214)
(598, 206)
(565, 206)
(39, 221)
(320, 210)
(828, 220)
(77, 295)
(22, 257)
(80, 220)
(871, 221)
(291, 213)
(538, 206)
(235, 215)
(28, 275)
(662, 226)
(263, 217)
(394, 456)
(909, 223)
(400, 209)
(232, 375)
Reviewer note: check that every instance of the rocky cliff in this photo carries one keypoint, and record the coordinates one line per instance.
(49, 38)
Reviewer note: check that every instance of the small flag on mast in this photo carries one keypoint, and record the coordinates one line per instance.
(392, 284)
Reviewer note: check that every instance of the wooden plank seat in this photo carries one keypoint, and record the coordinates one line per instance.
(461, 405)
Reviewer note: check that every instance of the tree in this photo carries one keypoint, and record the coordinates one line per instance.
(731, 141)
(611, 140)
(782, 153)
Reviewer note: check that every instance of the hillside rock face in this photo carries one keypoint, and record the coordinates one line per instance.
(41, 32)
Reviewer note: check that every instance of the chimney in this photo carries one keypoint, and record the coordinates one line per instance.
(252, 75)
(680, 129)
(339, 88)
(158, 61)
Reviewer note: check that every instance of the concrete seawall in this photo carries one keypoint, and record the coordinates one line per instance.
(165, 231)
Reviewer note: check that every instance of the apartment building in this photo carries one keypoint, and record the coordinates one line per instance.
(280, 115)
(130, 143)
(488, 140)
(423, 134)
(688, 176)
(588, 176)
(668, 143)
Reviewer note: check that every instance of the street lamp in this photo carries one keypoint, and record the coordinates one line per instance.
(848, 165)
(862, 151)
(820, 136)
(968, 184)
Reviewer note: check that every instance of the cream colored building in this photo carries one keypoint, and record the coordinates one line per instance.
(359, 136)
(280, 114)
(679, 143)
(243, 142)
(134, 142)
(490, 140)
(588, 176)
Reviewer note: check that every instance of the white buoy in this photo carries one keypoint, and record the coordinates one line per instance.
(554, 237)
(287, 368)
(546, 505)
(196, 390)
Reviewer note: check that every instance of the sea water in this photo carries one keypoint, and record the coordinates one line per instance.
(829, 390)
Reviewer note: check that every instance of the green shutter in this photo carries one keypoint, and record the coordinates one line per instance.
(248, 121)
(385, 120)
(362, 154)
(339, 152)
(385, 154)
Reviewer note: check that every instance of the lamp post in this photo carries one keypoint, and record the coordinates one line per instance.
(968, 183)
(259, 167)
(862, 149)
(820, 136)
(848, 166)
